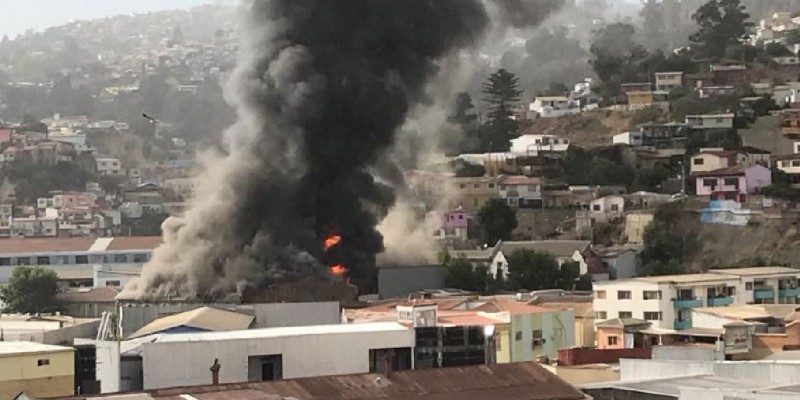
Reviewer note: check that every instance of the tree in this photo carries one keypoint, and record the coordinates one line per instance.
(775, 49)
(461, 274)
(617, 58)
(665, 245)
(466, 138)
(30, 290)
(502, 93)
(497, 221)
(531, 270)
(584, 282)
(721, 23)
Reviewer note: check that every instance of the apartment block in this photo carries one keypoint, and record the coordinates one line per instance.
(667, 301)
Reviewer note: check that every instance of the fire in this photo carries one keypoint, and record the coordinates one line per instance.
(331, 241)
(338, 270)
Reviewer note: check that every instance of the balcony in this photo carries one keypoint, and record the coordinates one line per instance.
(681, 325)
(762, 293)
(788, 292)
(687, 303)
(719, 301)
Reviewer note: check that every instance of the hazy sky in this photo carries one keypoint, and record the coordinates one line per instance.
(20, 15)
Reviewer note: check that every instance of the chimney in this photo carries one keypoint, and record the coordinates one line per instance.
(215, 372)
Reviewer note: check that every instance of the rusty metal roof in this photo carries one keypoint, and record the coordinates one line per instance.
(519, 381)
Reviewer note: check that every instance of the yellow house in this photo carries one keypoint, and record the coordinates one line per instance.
(39, 370)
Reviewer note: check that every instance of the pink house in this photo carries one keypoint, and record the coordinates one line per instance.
(450, 225)
(732, 183)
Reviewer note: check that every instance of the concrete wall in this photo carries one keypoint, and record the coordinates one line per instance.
(21, 373)
(584, 331)
(60, 336)
(686, 353)
(631, 369)
(726, 394)
(588, 374)
(615, 394)
(765, 371)
(558, 330)
(706, 320)
(765, 344)
(395, 283)
(168, 364)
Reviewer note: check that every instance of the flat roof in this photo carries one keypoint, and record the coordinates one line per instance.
(20, 348)
(757, 271)
(687, 278)
(673, 386)
(369, 327)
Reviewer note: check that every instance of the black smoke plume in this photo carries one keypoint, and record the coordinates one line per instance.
(320, 89)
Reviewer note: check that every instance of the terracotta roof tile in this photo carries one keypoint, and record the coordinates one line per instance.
(135, 243)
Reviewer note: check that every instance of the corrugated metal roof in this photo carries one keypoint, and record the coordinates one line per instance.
(135, 243)
(204, 318)
(519, 381)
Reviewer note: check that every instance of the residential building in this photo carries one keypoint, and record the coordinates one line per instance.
(790, 164)
(712, 159)
(46, 328)
(732, 183)
(607, 208)
(663, 136)
(563, 250)
(790, 122)
(641, 100)
(450, 226)
(622, 261)
(710, 121)
(471, 194)
(669, 80)
(537, 145)
(553, 106)
(667, 301)
(518, 381)
(36, 369)
(728, 75)
(633, 138)
(618, 333)
(581, 307)
(706, 92)
(635, 226)
(520, 191)
(109, 167)
(629, 87)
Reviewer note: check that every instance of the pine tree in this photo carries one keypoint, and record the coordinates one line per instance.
(502, 93)
(721, 23)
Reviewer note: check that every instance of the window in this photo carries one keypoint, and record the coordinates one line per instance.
(600, 294)
(24, 261)
(518, 335)
(491, 186)
(730, 291)
(732, 182)
(652, 315)
(81, 259)
(532, 188)
(462, 186)
(113, 283)
(719, 120)
(623, 295)
(537, 341)
(596, 207)
(748, 286)
(652, 295)
(709, 182)
(601, 315)
(42, 260)
(138, 258)
(625, 314)
(698, 161)
(120, 258)
(612, 340)
(43, 361)
(615, 207)
(476, 186)
(5, 261)
(796, 163)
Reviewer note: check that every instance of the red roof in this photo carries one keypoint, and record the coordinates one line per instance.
(36, 245)
(512, 307)
(520, 180)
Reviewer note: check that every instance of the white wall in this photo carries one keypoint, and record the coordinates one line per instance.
(107, 364)
(705, 320)
(661, 369)
(636, 305)
(273, 315)
(169, 364)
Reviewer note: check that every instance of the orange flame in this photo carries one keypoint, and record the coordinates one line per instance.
(331, 241)
(338, 270)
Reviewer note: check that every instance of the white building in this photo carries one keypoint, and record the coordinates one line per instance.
(634, 138)
(109, 167)
(553, 106)
(710, 121)
(790, 164)
(275, 353)
(667, 301)
(533, 145)
(669, 80)
(520, 191)
(563, 251)
(607, 208)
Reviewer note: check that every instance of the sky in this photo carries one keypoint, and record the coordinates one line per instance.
(21, 15)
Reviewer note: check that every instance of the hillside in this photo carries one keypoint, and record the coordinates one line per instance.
(592, 128)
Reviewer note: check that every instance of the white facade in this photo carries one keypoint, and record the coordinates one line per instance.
(669, 80)
(629, 138)
(710, 121)
(672, 298)
(606, 208)
(109, 166)
(531, 145)
(184, 359)
(551, 107)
